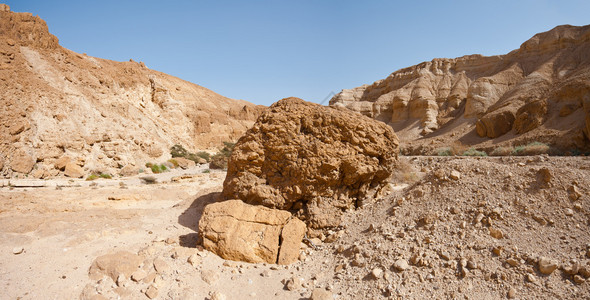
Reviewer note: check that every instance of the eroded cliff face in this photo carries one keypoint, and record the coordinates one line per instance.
(102, 113)
(538, 91)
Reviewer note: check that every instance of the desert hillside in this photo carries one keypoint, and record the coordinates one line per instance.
(101, 113)
(537, 93)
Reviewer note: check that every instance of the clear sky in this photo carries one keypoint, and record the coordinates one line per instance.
(262, 51)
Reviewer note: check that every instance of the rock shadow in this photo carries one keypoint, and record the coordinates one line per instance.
(192, 215)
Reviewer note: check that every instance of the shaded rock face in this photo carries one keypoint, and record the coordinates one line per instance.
(534, 90)
(300, 155)
(238, 231)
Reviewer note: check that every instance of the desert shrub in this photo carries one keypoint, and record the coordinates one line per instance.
(533, 148)
(405, 172)
(444, 151)
(156, 168)
(220, 159)
(502, 151)
(174, 162)
(105, 176)
(91, 177)
(206, 171)
(474, 152)
(204, 155)
(178, 151)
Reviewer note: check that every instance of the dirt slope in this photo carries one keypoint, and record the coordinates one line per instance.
(539, 92)
(104, 113)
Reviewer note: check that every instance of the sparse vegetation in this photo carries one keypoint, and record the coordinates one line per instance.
(174, 162)
(474, 152)
(204, 155)
(156, 168)
(95, 176)
(502, 151)
(444, 151)
(220, 159)
(533, 148)
(180, 151)
(207, 171)
(91, 177)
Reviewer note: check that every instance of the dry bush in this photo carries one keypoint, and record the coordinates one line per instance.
(502, 151)
(534, 148)
(405, 172)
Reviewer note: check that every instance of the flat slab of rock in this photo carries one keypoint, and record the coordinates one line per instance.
(114, 264)
(238, 231)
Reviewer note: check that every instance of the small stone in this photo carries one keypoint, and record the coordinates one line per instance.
(193, 260)
(531, 278)
(579, 279)
(159, 282)
(209, 276)
(151, 292)
(511, 293)
(217, 296)
(161, 266)
(170, 241)
(497, 250)
(265, 273)
(293, 283)
(121, 280)
(401, 265)
(471, 265)
(569, 212)
(574, 193)
(302, 256)
(321, 294)
(496, 233)
(546, 265)
(512, 262)
(18, 250)
(455, 175)
(138, 275)
(377, 273)
(445, 255)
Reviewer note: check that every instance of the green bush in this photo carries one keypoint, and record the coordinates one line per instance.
(220, 159)
(178, 151)
(206, 171)
(444, 151)
(204, 155)
(474, 152)
(106, 176)
(533, 148)
(91, 177)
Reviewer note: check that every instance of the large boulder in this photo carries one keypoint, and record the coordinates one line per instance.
(301, 155)
(185, 163)
(22, 162)
(129, 170)
(495, 124)
(73, 170)
(530, 116)
(238, 231)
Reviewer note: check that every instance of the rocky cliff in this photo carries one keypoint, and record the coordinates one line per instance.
(102, 113)
(539, 92)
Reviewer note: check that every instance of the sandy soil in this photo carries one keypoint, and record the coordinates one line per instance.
(442, 226)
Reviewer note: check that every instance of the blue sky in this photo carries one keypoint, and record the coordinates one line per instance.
(262, 51)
